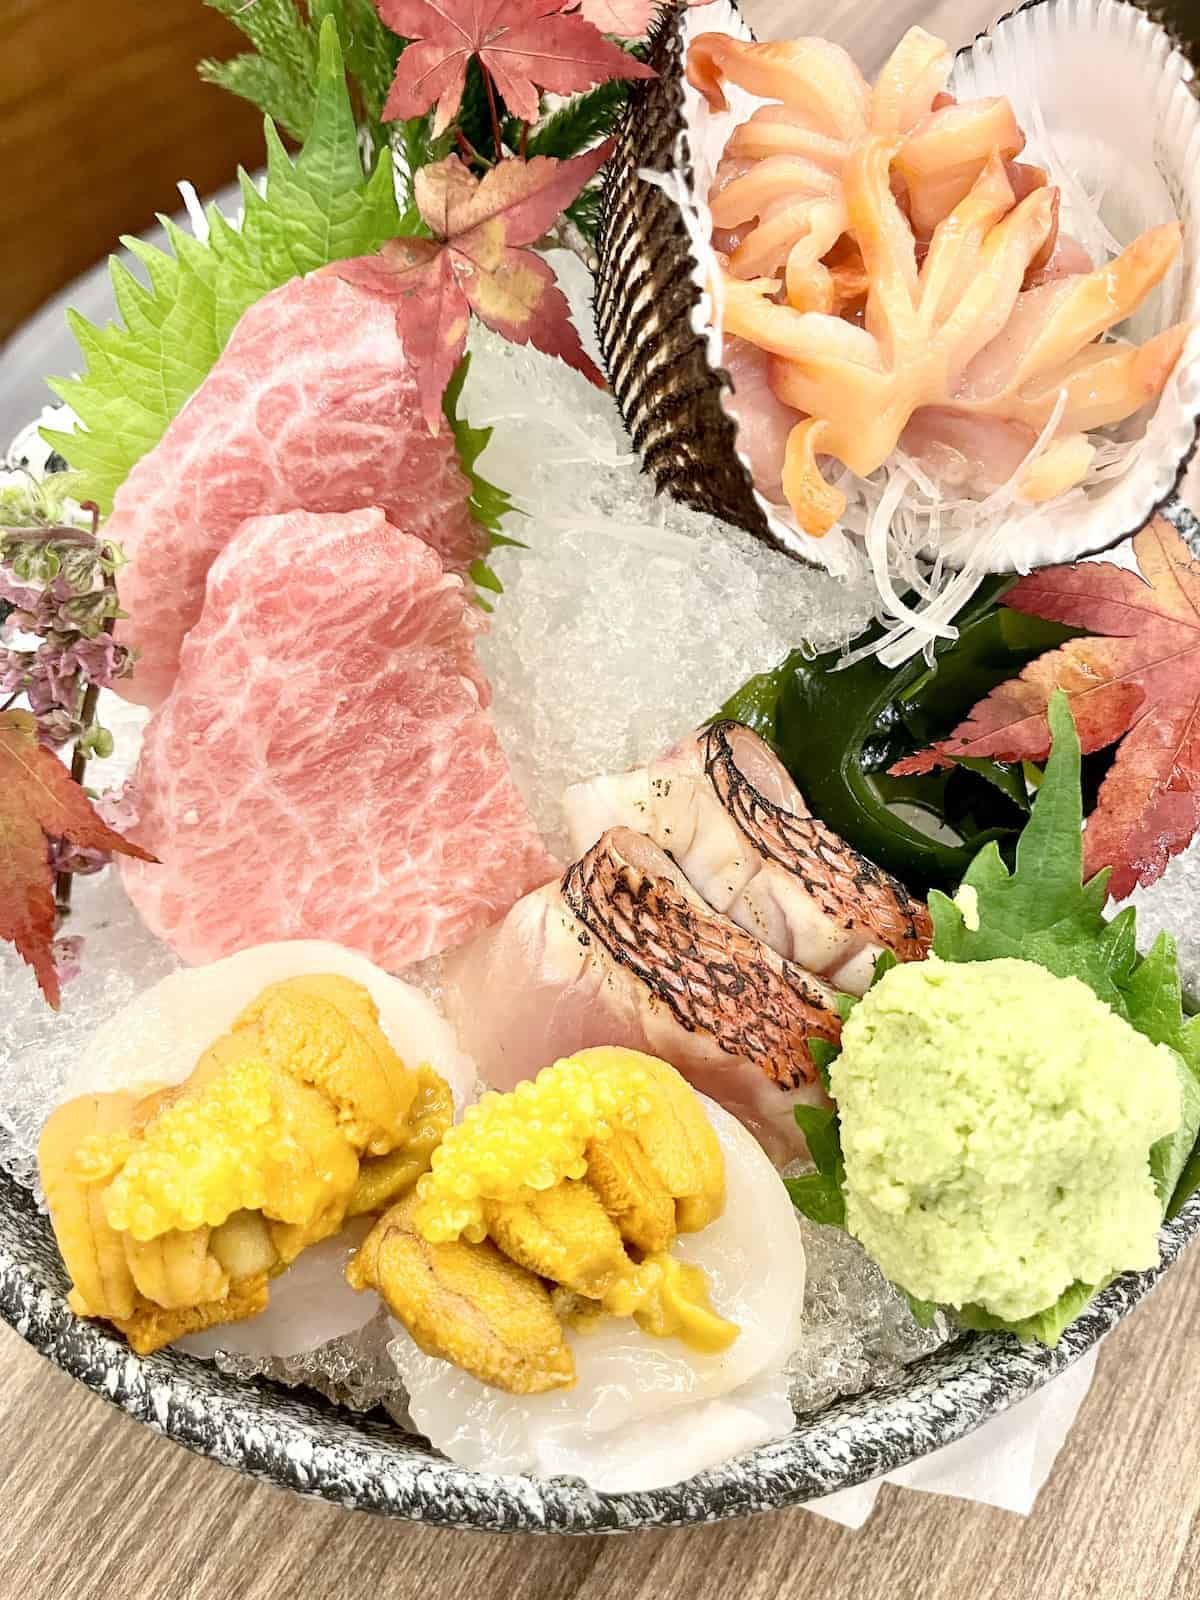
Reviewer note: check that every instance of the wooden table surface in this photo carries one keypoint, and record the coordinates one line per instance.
(97, 1508)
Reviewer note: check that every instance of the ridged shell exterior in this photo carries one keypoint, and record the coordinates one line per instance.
(647, 305)
(1106, 63)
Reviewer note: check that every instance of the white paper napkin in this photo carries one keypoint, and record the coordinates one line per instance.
(1004, 1463)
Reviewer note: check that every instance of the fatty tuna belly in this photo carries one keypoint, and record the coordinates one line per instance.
(324, 766)
(312, 406)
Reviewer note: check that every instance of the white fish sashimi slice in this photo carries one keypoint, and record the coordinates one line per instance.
(730, 815)
(646, 1412)
(625, 952)
(157, 1039)
(310, 1304)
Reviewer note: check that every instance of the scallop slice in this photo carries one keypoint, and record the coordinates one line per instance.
(310, 1304)
(156, 1040)
(1105, 100)
(647, 1412)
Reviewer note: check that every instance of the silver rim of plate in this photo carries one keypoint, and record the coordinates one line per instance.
(298, 1441)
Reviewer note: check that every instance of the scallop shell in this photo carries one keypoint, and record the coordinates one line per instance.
(1106, 100)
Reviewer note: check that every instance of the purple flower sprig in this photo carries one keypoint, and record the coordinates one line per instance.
(58, 606)
(58, 603)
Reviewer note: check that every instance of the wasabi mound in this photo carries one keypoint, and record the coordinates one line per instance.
(996, 1126)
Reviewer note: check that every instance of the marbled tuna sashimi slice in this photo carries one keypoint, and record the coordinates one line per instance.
(312, 407)
(324, 766)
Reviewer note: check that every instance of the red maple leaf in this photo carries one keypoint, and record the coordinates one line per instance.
(39, 801)
(524, 44)
(1139, 682)
(475, 264)
(628, 19)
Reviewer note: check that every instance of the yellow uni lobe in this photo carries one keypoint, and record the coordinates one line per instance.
(533, 1138)
(173, 1210)
(582, 1178)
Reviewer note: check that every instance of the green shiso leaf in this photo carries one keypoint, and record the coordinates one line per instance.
(1043, 911)
(819, 1126)
(823, 1054)
(322, 207)
(488, 504)
(1046, 1327)
(924, 1311)
(818, 1198)
(819, 1195)
(371, 50)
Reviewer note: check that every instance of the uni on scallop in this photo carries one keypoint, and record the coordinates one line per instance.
(232, 1120)
(600, 1276)
(877, 327)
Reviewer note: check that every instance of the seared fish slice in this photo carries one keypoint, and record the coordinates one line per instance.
(625, 952)
(729, 814)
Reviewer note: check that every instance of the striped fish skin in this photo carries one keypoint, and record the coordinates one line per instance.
(625, 951)
(729, 814)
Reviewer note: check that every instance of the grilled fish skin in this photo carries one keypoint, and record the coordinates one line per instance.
(729, 814)
(624, 951)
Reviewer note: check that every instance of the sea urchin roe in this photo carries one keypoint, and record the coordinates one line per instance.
(383, 1179)
(563, 1234)
(641, 1207)
(604, 1150)
(324, 1031)
(92, 1251)
(149, 1327)
(674, 1302)
(171, 1211)
(466, 1303)
(540, 1134)
(249, 1138)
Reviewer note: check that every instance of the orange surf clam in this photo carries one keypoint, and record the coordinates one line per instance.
(948, 304)
(946, 322)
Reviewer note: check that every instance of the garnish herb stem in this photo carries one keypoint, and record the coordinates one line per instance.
(87, 715)
(79, 761)
(469, 150)
(491, 95)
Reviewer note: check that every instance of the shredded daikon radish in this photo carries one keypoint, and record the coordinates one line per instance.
(934, 620)
(194, 208)
(1083, 211)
